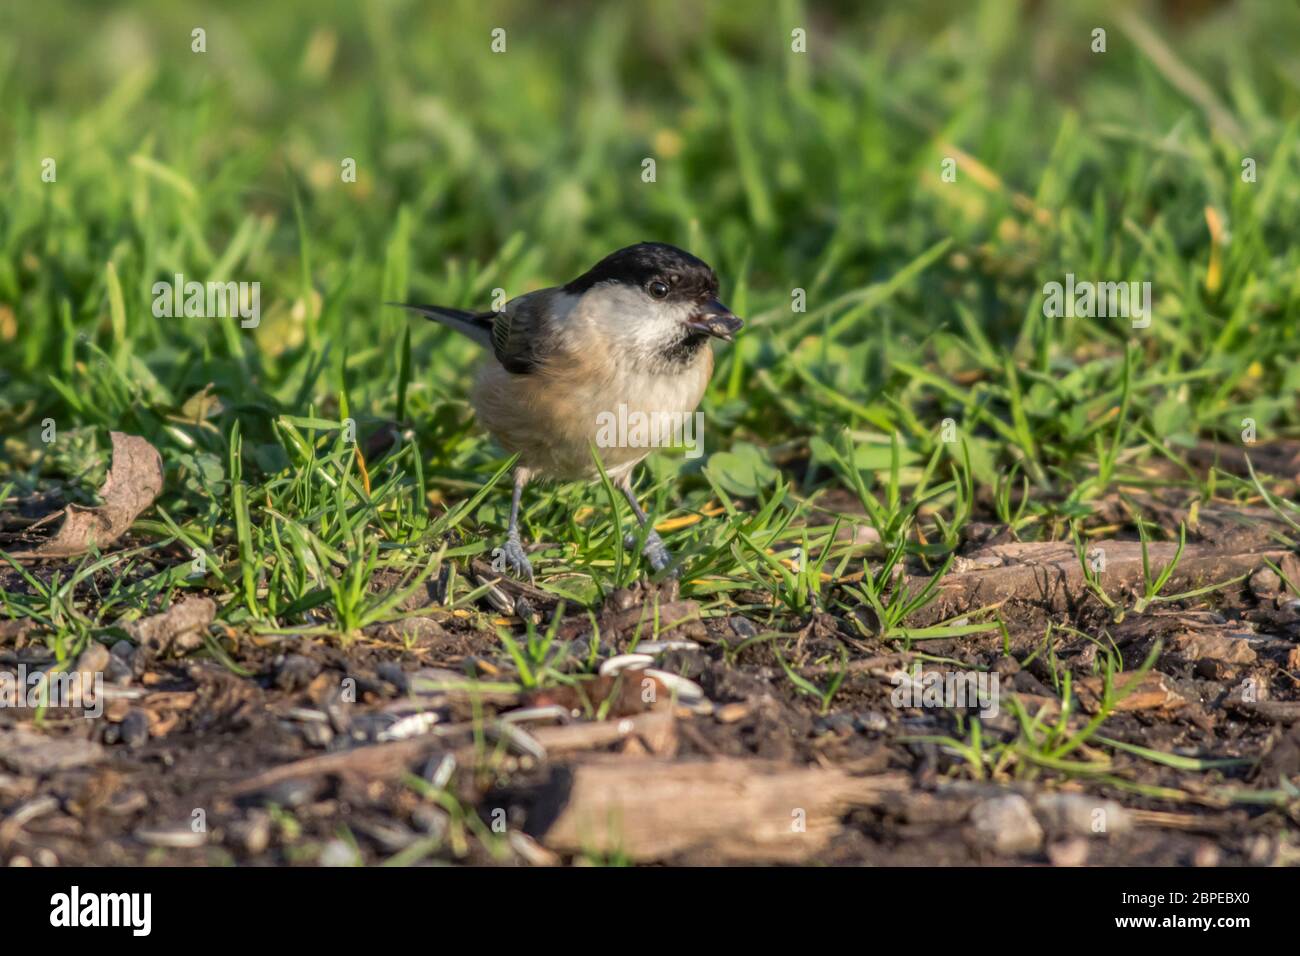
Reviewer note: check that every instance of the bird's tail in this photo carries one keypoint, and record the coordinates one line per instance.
(474, 325)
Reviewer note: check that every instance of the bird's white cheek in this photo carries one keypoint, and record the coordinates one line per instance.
(654, 327)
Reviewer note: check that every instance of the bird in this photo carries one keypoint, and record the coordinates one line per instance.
(633, 330)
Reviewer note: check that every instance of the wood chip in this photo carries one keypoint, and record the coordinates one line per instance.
(1276, 711)
(1211, 645)
(385, 761)
(1048, 574)
(739, 810)
(31, 753)
(1152, 692)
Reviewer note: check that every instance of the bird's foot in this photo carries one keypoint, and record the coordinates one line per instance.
(510, 558)
(656, 553)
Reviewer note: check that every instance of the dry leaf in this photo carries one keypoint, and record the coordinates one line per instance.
(133, 482)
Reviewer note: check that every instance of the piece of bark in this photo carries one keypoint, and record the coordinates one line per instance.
(1049, 574)
(385, 761)
(374, 762)
(1280, 458)
(33, 753)
(723, 809)
(1274, 711)
(1168, 820)
(134, 481)
(1152, 692)
(656, 730)
(1209, 645)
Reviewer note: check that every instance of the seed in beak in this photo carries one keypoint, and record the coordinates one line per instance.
(715, 319)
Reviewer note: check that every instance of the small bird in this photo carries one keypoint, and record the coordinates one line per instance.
(633, 331)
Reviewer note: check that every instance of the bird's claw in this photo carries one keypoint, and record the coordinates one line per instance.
(510, 557)
(655, 551)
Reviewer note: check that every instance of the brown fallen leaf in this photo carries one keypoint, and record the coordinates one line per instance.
(134, 481)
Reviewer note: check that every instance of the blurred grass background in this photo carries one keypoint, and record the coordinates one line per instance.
(817, 171)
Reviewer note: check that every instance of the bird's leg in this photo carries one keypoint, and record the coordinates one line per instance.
(510, 556)
(654, 549)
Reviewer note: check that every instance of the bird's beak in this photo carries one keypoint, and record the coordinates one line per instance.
(715, 319)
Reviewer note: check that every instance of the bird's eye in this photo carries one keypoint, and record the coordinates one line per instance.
(658, 289)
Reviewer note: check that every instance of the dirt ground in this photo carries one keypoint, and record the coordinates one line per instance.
(293, 750)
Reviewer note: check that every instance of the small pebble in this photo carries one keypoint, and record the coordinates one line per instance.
(1007, 825)
(338, 853)
(430, 819)
(1077, 814)
(842, 725)
(296, 672)
(317, 734)
(1071, 852)
(623, 599)
(93, 660)
(742, 627)
(176, 838)
(731, 713)
(1206, 855)
(253, 834)
(292, 793)
(1265, 583)
(391, 672)
(118, 671)
(1006, 666)
(873, 722)
(135, 728)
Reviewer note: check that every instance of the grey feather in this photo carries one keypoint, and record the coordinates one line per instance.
(474, 325)
(523, 333)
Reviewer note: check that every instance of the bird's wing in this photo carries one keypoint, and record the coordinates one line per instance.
(519, 335)
(522, 332)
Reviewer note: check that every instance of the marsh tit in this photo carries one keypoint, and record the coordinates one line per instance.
(632, 331)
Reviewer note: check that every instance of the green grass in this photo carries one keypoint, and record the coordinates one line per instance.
(477, 171)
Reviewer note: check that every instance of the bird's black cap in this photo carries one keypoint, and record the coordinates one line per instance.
(689, 279)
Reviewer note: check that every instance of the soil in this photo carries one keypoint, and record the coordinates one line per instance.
(303, 750)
